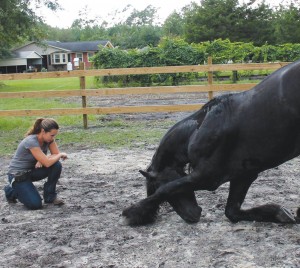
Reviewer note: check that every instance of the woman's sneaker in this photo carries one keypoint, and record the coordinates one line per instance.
(9, 194)
(58, 202)
(12, 200)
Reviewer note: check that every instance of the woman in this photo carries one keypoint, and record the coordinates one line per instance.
(31, 163)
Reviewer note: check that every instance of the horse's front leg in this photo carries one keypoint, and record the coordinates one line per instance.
(297, 218)
(264, 213)
(186, 206)
(145, 211)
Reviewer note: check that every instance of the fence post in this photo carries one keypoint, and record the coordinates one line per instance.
(234, 76)
(210, 78)
(82, 88)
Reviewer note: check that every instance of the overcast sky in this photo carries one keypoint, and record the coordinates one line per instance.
(106, 9)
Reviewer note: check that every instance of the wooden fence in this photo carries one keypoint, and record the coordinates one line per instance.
(210, 87)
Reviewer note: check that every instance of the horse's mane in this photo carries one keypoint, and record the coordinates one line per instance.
(215, 101)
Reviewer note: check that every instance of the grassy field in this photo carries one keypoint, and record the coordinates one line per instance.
(101, 132)
(111, 134)
(44, 84)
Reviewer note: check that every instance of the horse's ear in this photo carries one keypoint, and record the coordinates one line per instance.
(148, 175)
(144, 173)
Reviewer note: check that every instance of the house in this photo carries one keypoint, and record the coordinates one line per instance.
(20, 62)
(51, 56)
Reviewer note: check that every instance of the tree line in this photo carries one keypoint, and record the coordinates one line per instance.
(251, 21)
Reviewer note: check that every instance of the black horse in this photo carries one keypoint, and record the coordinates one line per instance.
(230, 139)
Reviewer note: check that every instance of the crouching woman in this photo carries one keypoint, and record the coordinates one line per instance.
(31, 163)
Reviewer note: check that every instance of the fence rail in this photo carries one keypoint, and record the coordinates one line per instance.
(146, 70)
(84, 93)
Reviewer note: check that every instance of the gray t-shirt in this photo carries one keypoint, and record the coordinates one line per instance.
(23, 159)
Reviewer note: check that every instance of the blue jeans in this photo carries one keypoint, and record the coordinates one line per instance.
(26, 192)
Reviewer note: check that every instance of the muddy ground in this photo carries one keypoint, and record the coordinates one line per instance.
(88, 231)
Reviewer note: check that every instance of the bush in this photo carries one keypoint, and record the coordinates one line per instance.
(175, 51)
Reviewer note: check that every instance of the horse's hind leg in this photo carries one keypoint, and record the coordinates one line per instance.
(264, 213)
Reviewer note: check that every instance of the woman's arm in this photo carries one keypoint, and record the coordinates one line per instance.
(53, 148)
(46, 161)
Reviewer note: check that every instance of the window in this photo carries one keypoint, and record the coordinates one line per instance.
(56, 58)
(59, 58)
(79, 56)
(64, 58)
(90, 55)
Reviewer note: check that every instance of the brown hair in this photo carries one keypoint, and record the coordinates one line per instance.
(42, 123)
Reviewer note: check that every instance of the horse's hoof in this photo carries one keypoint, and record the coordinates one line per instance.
(284, 216)
(130, 216)
(139, 215)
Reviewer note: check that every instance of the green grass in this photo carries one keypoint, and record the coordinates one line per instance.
(44, 84)
(40, 85)
(35, 103)
(101, 132)
(130, 134)
(113, 134)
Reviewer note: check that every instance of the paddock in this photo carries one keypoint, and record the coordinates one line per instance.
(89, 231)
(98, 183)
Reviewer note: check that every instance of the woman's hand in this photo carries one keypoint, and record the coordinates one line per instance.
(63, 156)
(46, 160)
(38, 165)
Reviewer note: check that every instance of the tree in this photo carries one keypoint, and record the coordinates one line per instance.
(137, 31)
(211, 20)
(257, 25)
(63, 35)
(128, 37)
(143, 17)
(18, 22)
(221, 19)
(288, 24)
(174, 25)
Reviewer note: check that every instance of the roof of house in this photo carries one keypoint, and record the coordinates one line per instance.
(28, 55)
(80, 46)
(20, 58)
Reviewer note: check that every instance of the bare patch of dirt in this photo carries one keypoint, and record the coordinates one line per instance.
(89, 231)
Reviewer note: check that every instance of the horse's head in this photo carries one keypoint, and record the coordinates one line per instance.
(155, 179)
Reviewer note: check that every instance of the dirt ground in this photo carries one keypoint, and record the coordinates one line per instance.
(88, 231)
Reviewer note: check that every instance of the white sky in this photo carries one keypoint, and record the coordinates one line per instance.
(105, 9)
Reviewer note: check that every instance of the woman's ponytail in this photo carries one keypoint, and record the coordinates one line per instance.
(42, 123)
